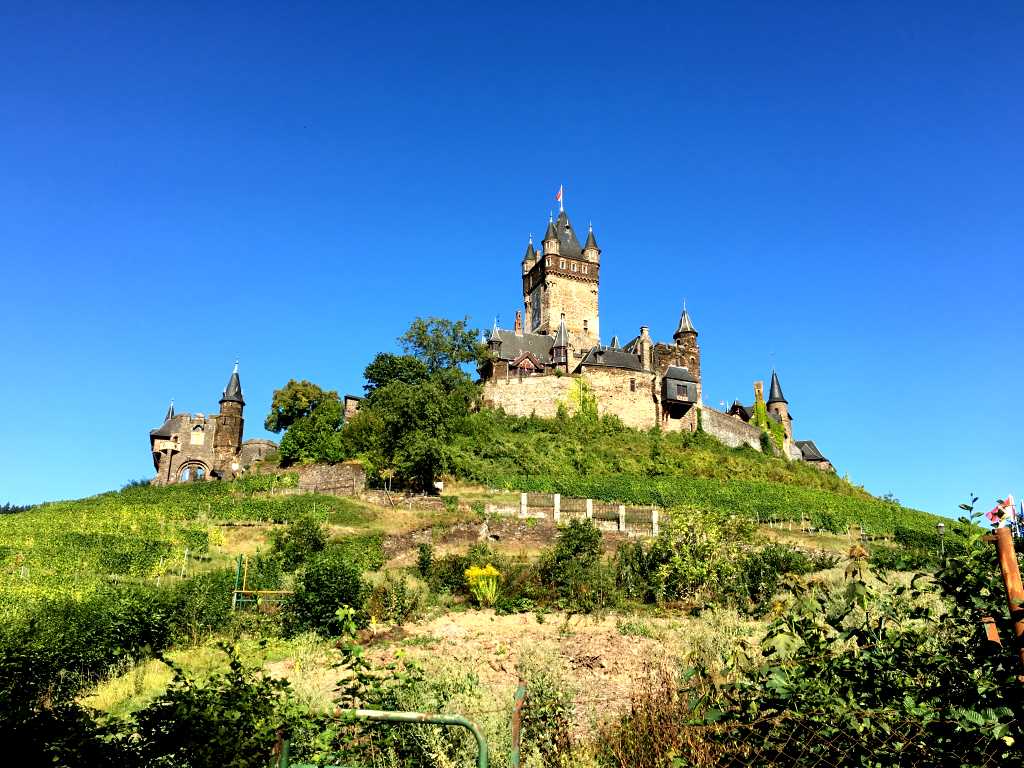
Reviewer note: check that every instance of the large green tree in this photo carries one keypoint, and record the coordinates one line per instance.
(295, 400)
(441, 343)
(311, 418)
(387, 367)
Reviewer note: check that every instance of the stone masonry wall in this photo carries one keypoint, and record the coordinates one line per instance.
(345, 479)
(578, 300)
(729, 430)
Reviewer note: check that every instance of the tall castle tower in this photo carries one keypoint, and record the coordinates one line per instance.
(778, 405)
(685, 338)
(560, 281)
(228, 437)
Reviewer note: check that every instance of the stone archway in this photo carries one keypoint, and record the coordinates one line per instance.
(191, 470)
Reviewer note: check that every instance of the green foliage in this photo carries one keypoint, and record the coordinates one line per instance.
(302, 538)
(232, 719)
(387, 367)
(548, 712)
(364, 550)
(424, 559)
(296, 400)
(440, 343)
(573, 569)
(327, 583)
(395, 599)
(315, 436)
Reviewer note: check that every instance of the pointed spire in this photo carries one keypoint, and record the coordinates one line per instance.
(552, 233)
(530, 254)
(615, 343)
(591, 243)
(562, 337)
(685, 324)
(170, 412)
(775, 393)
(233, 391)
(495, 336)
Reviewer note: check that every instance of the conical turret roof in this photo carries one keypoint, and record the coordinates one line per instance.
(170, 412)
(494, 335)
(685, 324)
(562, 337)
(551, 233)
(233, 391)
(530, 254)
(775, 394)
(591, 241)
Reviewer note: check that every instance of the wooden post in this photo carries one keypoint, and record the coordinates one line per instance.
(622, 517)
(1014, 589)
(557, 513)
(590, 509)
(522, 505)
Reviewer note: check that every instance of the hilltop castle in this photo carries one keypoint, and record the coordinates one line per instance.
(196, 447)
(554, 355)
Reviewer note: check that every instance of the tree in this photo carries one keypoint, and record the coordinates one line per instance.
(441, 343)
(294, 401)
(316, 436)
(387, 367)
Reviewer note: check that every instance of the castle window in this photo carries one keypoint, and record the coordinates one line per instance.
(632, 385)
(561, 263)
(585, 269)
(584, 326)
(575, 267)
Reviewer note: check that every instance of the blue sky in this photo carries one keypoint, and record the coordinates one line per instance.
(834, 188)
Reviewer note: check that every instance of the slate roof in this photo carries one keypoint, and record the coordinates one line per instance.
(568, 245)
(562, 336)
(606, 357)
(530, 254)
(809, 450)
(165, 430)
(685, 324)
(591, 241)
(748, 411)
(775, 395)
(679, 373)
(233, 391)
(512, 346)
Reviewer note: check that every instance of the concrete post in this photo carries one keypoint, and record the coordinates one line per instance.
(654, 521)
(622, 517)
(557, 514)
(590, 509)
(522, 505)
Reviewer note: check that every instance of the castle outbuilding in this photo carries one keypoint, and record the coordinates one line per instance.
(197, 447)
(553, 356)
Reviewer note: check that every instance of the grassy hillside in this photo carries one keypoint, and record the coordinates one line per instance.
(139, 533)
(603, 460)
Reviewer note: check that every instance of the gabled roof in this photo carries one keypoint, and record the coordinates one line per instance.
(775, 395)
(809, 450)
(606, 357)
(741, 410)
(679, 373)
(233, 391)
(512, 346)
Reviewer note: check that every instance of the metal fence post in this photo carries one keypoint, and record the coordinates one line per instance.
(622, 517)
(557, 513)
(517, 724)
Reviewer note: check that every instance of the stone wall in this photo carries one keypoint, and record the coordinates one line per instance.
(578, 300)
(345, 479)
(530, 394)
(729, 430)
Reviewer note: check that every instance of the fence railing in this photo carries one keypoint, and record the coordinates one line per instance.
(635, 521)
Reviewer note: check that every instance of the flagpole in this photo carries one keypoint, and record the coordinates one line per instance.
(561, 199)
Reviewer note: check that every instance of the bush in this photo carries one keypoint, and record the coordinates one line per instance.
(395, 599)
(762, 572)
(424, 559)
(365, 550)
(201, 605)
(448, 574)
(327, 583)
(303, 537)
(573, 569)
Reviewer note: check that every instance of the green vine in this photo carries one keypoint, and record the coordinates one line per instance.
(773, 429)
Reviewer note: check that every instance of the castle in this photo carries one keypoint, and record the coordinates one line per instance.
(197, 447)
(553, 355)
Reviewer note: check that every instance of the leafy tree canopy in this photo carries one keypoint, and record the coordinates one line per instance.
(441, 343)
(387, 367)
(294, 401)
(315, 436)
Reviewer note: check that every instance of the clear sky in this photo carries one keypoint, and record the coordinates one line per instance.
(835, 188)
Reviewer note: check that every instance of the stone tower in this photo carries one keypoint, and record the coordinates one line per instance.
(227, 440)
(560, 281)
(685, 338)
(779, 406)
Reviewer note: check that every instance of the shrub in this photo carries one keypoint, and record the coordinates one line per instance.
(327, 583)
(201, 605)
(483, 584)
(548, 713)
(573, 569)
(303, 537)
(424, 559)
(365, 550)
(762, 571)
(448, 574)
(395, 599)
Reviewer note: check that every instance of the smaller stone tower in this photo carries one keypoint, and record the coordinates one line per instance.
(530, 257)
(560, 348)
(779, 406)
(686, 339)
(551, 245)
(590, 250)
(227, 439)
